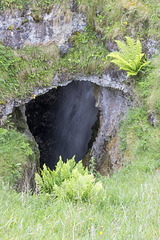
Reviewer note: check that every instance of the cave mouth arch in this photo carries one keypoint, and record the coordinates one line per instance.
(64, 122)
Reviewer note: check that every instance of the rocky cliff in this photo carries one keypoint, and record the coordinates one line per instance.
(113, 95)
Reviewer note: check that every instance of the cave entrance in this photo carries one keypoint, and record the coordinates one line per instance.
(63, 122)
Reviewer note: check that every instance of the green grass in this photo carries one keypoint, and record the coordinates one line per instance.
(20, 4)
(116, 19)
(154, 80)
(130, 211)
(138, 135)
(147, 88)
(31, 67)
(21, 71)
(15, 154)
(131, 207)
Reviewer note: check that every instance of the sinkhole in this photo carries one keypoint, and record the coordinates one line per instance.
(64, 121)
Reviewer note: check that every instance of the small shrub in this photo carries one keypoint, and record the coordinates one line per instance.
(69, 181)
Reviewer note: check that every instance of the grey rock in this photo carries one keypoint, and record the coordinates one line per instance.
(151, 47)
(17, 31)
(113, 105)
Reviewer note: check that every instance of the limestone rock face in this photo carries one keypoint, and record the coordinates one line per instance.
(34, 28)
(113, 105)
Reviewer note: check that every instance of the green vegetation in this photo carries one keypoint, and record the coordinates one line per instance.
(130, 207)
(21, 4)
(20, 73)
(88, 54)
(70, 181)
(119, 18)
(15, 153)
(140, 137)
(71, 203)
(152, 79)
(22, 70)
(131, 210)
(130, 57)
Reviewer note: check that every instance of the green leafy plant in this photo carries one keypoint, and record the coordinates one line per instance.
(15, 153)
(130, 57)
(69, 181)
(93, 170)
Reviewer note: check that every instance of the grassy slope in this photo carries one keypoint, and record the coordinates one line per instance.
(22, 70)
(131, 210)
(16, 152)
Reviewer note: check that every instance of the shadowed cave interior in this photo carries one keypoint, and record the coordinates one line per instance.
(64, 121)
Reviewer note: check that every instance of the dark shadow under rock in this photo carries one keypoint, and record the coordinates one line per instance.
(61, 122)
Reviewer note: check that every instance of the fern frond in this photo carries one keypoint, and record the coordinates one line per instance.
(118, 57)
(123, 48)
(131, 43)
(144, 65)
(138, 60)
(138, 47)
(131, 48)
(130, 57)
(132, 73)
(119, 60)
(73, 181)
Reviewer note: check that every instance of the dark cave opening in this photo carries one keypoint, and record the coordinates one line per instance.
(64, 121)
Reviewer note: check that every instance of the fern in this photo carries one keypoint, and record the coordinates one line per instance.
(69, 181)
(130, 57)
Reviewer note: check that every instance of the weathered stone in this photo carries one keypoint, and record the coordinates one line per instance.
(150, 47)
(113, 105)
(113, 157)
(33, 28)
(27, 181)
(111, 80)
